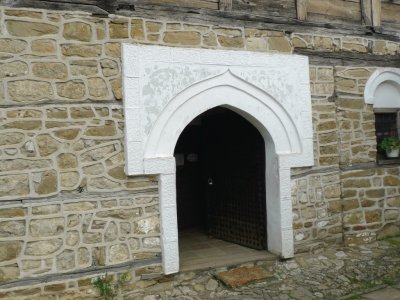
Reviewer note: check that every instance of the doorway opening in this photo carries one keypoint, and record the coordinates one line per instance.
(220, 182)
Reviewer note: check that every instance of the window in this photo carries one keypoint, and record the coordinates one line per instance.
(387, 124)
(383, 92)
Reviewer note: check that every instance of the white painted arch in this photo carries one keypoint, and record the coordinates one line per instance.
(223, 90)
(382, 89)
(270, 91)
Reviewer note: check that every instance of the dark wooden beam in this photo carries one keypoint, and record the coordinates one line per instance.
(301, 9)
(376, 14)
(350, 59)
(225, 5)
(366, 12)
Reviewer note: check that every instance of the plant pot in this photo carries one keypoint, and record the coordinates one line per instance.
(392, 153)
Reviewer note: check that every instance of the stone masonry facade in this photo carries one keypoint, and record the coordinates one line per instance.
(66, 204)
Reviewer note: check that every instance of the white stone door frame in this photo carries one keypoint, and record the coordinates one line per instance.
(166, 88)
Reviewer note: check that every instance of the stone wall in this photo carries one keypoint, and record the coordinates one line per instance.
(66, 204)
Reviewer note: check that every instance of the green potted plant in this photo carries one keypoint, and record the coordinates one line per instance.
(391, 145)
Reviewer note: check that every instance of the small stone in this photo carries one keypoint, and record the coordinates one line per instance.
(324, 43)
(29, 147)
(95, 169)
(44, 47)
(12, 45)
(57, 113)
(67, 161)
(280, 44)
(73, 89)
(372, 216)
(46, 227)
(107, 130)
(118, 29)
(77, 31)
(69, 179)
(92, 237)
(12, 212)
(29, 90)
(11, 138)
(24, 13)
(210, 39)
(186, 38)
(100, 30)
(117, 173)
(113, 50)
(13, 69)
(67, 134)
(116, 86)
(109, 67)
(83, 257)
(111, 232)
(39, 248)
(47, 144)
(97, 87)
(28, 29)
(212, 285)
(72, 238)
(391, 181)
(232, 32)
(103, 183)
(11, 151)
(66, 260)
(50, 70)
(81, 50)
(73, 220)
(48, 183)
(12, 228)
(24, 125)
(14, 185)
(340, 254)
(137, 31)
(118, 253)
(84, 67)
(231, 42)
(240, 276)
(10, 272)
(46, 209)
(99, 256)
(256, 43)
(151, 243)
(122, 214)
(80, 206)
(147, 226)
(97, 153)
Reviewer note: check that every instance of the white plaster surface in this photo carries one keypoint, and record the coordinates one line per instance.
(383, 89)
(166, 88)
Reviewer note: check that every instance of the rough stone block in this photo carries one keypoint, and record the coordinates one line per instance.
(119, 29)
(186, 38)
(29, 90)
(28, 29)
(50, 70)
(77, 31)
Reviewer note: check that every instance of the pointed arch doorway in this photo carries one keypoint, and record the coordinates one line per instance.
(220, 183)
(166, 88)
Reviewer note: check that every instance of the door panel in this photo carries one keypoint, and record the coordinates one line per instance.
(234, 171)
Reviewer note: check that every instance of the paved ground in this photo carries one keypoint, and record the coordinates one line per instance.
(365, 272)
(387, 293)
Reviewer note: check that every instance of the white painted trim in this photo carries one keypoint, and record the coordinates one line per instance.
(271, 91)
(382, 89)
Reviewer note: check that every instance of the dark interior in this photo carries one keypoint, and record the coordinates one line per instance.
(220, 178)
